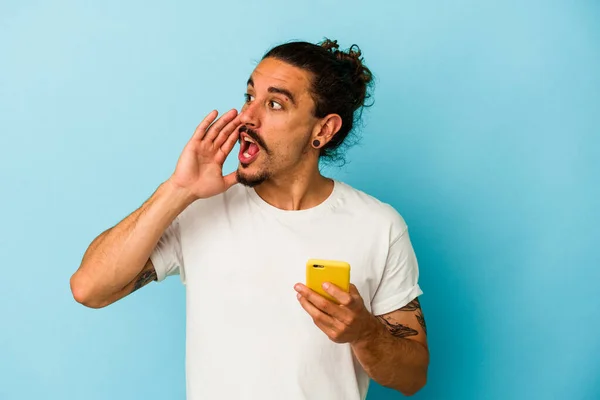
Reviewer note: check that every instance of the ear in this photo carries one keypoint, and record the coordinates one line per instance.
(327, 128)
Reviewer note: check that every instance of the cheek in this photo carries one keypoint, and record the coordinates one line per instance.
(293, 150)
(288, 136)
(282, 152)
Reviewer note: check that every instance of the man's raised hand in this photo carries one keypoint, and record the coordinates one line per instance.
(200, 167)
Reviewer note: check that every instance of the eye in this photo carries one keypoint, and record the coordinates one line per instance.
(275, 105)
(249, 98)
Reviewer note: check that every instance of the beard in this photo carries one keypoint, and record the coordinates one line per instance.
(251, 180)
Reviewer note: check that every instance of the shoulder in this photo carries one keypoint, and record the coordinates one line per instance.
(219, 205)
(372, 210)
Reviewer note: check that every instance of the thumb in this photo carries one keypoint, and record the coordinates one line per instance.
(230, 179)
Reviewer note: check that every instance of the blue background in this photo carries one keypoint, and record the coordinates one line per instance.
(484, 136)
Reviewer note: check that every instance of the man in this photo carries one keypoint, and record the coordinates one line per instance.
(240, 244)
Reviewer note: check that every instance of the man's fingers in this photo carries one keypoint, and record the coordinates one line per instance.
(319, 317)
(230, 141)
(226, 131)
(321, 303)
(216, 127)
(203, 126)
(230, 179)
(344, 298)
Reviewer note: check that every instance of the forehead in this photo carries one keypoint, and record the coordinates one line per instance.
(272, 72)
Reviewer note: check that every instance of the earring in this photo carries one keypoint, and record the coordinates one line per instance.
(316, 143)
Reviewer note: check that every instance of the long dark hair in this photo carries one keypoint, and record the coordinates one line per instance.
(340, 84)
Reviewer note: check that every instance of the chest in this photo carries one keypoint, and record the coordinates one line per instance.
(259, 263)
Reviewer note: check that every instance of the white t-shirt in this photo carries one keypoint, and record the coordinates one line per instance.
(247, 336)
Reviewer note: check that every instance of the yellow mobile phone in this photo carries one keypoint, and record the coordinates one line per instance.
(319, 271)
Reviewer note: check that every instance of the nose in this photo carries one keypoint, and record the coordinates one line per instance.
(250, 115)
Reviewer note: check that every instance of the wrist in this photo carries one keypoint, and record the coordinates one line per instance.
(178, 196)
(371, 333)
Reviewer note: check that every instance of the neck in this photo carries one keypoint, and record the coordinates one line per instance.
(298, 192)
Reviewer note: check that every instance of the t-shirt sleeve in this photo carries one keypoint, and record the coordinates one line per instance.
(399, 283)
(167, 255)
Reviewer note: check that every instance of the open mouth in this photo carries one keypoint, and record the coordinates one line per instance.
(248, 149)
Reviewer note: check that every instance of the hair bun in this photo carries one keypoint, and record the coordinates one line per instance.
(330, 45)
(361, 75)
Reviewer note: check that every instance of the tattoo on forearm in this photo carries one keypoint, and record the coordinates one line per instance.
(415, 305)
(421, 320)
(144, 278)
(398, 330)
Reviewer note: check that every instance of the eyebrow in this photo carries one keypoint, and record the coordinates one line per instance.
(278, 90)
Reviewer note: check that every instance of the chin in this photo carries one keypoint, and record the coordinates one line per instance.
(250, 179)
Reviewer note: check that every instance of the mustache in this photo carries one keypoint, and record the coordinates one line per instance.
(254, 136)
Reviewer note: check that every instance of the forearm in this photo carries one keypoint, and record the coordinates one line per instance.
(394, 362)
(116, 256)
